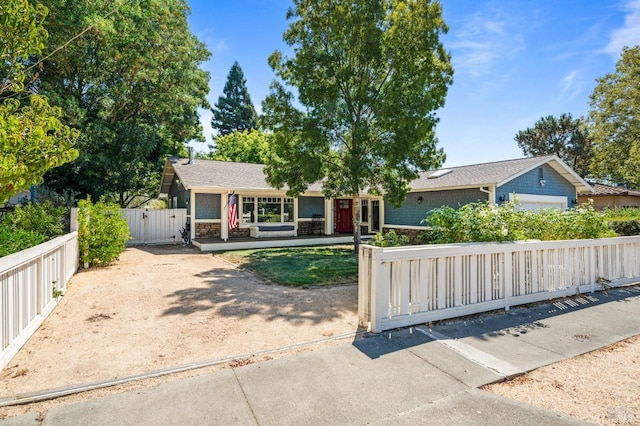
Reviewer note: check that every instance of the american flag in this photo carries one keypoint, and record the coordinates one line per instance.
(233, 212)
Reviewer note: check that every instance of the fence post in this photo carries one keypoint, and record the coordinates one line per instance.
(508, 279)
(364, 286)
(380, 283)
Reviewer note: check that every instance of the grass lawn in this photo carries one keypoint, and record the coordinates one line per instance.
(300, 266)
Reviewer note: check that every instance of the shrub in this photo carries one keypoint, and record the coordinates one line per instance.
(102, 232)
(42, 218)
(483, 222)
(15, 240)
(390, 239)
(623, 220)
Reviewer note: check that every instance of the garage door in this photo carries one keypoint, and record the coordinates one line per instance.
(537, 202)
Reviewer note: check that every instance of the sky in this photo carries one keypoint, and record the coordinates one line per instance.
(515, 61)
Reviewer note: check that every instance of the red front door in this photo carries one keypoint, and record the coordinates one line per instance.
(343, 214)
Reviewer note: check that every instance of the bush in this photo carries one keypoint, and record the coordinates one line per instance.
(624, 221)
(15, 240)
(390, 239)
(102, 232)
(42, 218)
(484, 222)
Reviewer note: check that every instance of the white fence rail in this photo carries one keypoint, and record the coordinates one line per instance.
(27, 283)
(403, 286)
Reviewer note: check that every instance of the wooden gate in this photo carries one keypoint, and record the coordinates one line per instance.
(155, 226)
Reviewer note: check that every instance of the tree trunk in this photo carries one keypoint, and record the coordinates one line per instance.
(356, 222)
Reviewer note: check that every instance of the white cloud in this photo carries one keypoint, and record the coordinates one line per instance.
(568, 87)
(481, 41)
(629, 33)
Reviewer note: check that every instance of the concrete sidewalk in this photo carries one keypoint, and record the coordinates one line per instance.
(409, 376)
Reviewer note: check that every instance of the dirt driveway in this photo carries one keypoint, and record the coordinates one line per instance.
(165, 306)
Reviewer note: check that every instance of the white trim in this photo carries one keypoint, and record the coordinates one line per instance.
(542, 199)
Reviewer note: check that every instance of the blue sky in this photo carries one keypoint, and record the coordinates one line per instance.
(515, 61)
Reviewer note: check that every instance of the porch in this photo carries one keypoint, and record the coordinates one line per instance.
(243, 243)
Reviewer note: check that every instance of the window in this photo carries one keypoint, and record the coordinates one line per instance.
(288, 213)
(269, 209)
(540, 173)
(365, 211)
(248, 210)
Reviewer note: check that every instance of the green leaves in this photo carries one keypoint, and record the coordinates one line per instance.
(247, 147)
(234, 110)
(369, 75)
(102, 232)
(565, 137)
(132, 84)
(615, 121)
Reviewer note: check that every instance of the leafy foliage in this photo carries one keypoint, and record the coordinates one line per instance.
(15, 240)
(41, 218)
(132, 85)
(389, 239)
(484, 222)
(33, 139)
(624, 221)
(102, 232)
(370, 74)
(615, 121)
(565, 137)
(247, 147)
(234, 111)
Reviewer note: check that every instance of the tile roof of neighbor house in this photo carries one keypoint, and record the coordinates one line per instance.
(603, 190)
(493, 174)
(221, 175)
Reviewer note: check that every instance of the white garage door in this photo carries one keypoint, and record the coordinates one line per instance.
(536, 202)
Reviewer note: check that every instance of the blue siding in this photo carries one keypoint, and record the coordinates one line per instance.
(411, 212)
(529, 183)
(207, 206)
(308, 206)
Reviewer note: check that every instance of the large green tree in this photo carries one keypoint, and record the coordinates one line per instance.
(566, 137)
(246, 147)
(615, 121)
(32, 137)
(132, 83)
(370, 75)
(234, 110)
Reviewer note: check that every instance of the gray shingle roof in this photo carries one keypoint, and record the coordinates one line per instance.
(223, 175)
(236, 176)
(492, 174)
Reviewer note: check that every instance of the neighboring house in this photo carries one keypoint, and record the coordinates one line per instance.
(536, 182)
(204, 188)
(606, 196)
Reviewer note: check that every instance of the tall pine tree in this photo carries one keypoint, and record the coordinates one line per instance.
(234, 110)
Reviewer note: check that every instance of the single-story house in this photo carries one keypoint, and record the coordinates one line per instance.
(608, 196)
(205, 189)
(537, 182)
(208, 189)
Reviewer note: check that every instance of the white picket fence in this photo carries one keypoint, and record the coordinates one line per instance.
(404, 286)
(27, 283)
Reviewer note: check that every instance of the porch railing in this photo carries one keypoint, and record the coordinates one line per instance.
(403, 286)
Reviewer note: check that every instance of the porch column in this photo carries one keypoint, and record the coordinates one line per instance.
(192, 213)
(224, 225)
(381, 214)
(328, 216)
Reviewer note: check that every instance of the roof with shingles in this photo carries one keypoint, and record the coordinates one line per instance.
(220, 175)
(234, 176)
(493, 174)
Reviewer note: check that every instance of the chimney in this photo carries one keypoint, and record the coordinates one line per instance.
(190, 155)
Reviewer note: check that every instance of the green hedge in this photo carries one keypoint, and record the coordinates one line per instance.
(102, 232)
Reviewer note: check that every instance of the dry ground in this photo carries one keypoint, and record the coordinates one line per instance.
(165, 306)
(161, 307)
